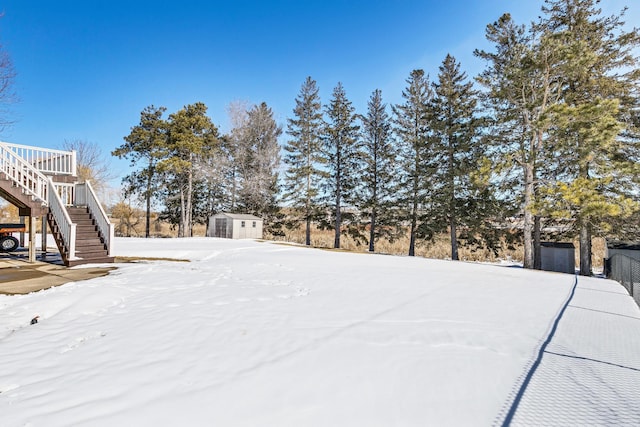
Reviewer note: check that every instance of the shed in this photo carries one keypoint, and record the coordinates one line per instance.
(630, 249)
(235, 226)
(558, 256)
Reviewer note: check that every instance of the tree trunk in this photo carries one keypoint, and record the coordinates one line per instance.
(308, 202)
(147, 225)
(372, 232)
(537, 243)
(414, 225)
(454, 239)
(336, 243)
(189, 208)
(182, 214)
(452, 202)
(233, 188)
(585, 235)
(527, 227)
(585, 249)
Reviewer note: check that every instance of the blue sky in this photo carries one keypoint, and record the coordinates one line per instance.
(86, 68)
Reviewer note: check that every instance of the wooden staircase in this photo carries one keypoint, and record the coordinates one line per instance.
(15, 195)
(90, 246)
(43, 183)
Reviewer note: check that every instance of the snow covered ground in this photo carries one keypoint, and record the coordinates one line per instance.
(262, 334)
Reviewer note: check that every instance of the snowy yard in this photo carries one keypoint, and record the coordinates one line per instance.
(262, 334)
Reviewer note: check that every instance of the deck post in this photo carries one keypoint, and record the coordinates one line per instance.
(22, 232)
(32, 239)
(43, 235)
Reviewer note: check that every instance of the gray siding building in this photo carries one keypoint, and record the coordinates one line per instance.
(235, 226)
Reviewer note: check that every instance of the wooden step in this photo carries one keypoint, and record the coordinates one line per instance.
(99, 260)
(89, 246)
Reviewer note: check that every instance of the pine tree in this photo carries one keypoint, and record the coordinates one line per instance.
(378, 178)
(147, 142)
(192, 136)
(521, 86)
(455, 127)
(599, 73)
(411, 125)
(304, 156)
(341, 146)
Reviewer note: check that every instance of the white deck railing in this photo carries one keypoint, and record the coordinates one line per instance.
(66, 192)
(63, 220)
(28, 166)
(22, 174)
(46, 160)
(85, 196)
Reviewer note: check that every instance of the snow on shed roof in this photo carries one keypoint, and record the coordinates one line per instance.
(239, 216)
(617, 244)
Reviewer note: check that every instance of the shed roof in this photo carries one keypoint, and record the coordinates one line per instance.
(617, 244)
(559, 245)
(238, 216)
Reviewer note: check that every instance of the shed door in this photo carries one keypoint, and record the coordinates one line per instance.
(220, 227)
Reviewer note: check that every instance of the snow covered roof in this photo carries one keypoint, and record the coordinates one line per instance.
(238, 216)
(557, 245)
(615, 244)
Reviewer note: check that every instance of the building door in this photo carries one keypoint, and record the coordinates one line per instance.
(220, 228)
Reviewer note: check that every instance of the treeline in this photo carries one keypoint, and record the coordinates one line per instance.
(547, 135)
(183, 162)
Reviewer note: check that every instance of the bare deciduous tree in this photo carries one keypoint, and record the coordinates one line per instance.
(7, 96)
(92, 163)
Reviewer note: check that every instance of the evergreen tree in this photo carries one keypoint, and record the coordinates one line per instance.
(411, 121)
(304, 156)
(599, 72)
(521, 86)
(455, 127)
(378, 178)
(146, 143)
(192, 136)
(341, 146)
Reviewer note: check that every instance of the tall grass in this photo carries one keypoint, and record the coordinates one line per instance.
(439, 248)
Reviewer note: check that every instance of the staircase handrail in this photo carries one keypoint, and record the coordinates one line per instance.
(66, 227)
(105, 227)
(46, 160)
(23, 174)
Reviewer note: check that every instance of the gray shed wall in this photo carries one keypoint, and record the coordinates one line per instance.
(559, 259)
(226, 226)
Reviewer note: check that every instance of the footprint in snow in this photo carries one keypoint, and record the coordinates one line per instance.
(81, 340)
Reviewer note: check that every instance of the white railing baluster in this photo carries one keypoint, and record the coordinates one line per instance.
(28, 167)
(46, 160)
(63, 220)
(22, 174)
(86, 196)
